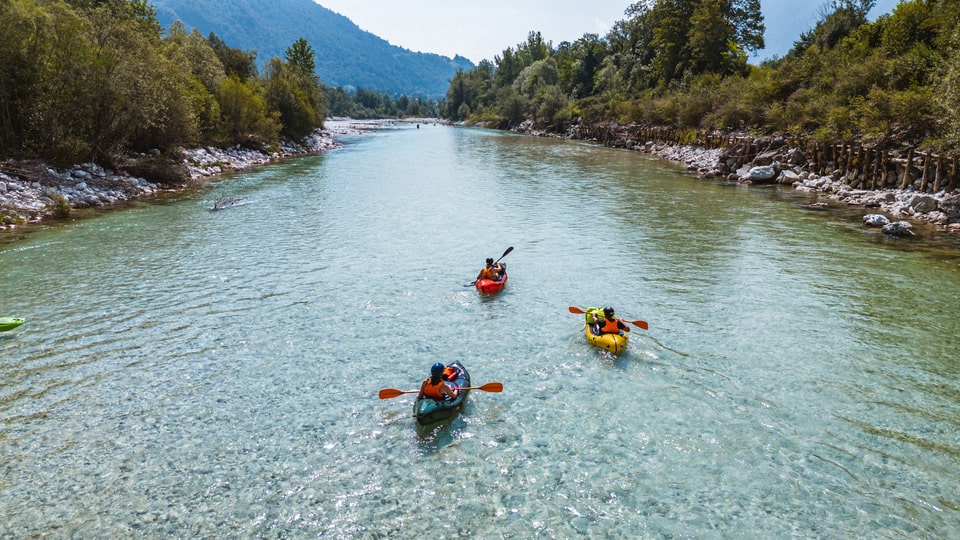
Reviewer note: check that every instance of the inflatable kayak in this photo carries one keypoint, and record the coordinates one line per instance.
(615, 343)
(487, 286)
(430, 411)
(9, 323)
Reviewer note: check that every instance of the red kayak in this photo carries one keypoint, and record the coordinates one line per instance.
(487, 286)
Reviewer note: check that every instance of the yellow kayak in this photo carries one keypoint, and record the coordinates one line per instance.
(615, 343)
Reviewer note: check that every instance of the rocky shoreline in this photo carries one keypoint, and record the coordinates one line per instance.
(941, 209)
(32, 192)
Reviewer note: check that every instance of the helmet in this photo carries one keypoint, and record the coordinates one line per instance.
(608, 312)
(489, 260)
(436, 370)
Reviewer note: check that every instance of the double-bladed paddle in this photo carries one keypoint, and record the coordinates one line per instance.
(388, 393)
(638, 324)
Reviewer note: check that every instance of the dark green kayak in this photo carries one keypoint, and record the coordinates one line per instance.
(9, 323)
(430, 411)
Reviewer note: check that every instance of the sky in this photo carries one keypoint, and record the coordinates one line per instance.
(480, 30)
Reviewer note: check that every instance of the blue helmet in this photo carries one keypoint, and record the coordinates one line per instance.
(436, 370)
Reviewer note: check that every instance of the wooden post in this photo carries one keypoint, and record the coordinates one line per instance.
(864, 166)
(859, 164)
(953, 174)
(839, 161)
(884, 168)
(906, 171)
(926, 173)
(938, 178)
(854, 155)
(877, 169)
(852, 167)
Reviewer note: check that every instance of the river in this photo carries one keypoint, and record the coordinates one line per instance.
(189, 373)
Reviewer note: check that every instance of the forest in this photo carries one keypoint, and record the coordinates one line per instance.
(683, 64)
(92, 80)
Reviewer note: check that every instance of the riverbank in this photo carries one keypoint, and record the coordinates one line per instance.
(786, 167)
(32, 192)
(783, 164)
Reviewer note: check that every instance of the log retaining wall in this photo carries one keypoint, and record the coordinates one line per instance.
(860, 166)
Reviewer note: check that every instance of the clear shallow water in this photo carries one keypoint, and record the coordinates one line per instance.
(193, 373)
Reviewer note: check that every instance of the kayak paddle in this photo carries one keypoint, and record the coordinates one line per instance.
(388, 393)
(638, 324)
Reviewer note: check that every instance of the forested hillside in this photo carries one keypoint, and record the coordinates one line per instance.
(684, 65)
(346, 56)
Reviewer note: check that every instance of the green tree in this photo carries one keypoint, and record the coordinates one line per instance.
(245, 114)
(671, 26)
(948, 90)
(235, 61)
(301, 56)
(286, 94)
(838, 18)
(458, 94)
(578, 63)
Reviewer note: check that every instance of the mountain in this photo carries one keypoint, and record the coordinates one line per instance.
(346, 56)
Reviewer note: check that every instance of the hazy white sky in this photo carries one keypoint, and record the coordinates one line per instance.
(481, 30)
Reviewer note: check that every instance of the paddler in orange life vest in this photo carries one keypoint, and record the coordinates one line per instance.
(492, 271)
(610, 323)
(434, 386)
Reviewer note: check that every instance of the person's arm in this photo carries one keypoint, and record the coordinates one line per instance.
(622, 326)
(422, 386)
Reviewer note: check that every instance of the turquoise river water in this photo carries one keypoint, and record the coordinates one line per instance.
(186, 373)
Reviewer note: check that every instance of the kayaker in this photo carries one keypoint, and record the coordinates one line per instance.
(610, 323)
(492, 271)
(434, 388)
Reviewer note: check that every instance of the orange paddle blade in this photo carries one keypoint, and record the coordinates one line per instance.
(489, 387)
(577, 310)
(492, 387)
(388, 393)
(640, 324)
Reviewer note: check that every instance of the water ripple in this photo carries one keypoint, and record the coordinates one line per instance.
(195, 373)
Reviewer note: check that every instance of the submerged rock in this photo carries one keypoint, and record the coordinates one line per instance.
(875, 220)
(899, 228)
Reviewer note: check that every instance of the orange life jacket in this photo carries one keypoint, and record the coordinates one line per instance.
(610, 326)
(487, 273)
(432, 390)
(450, 373)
